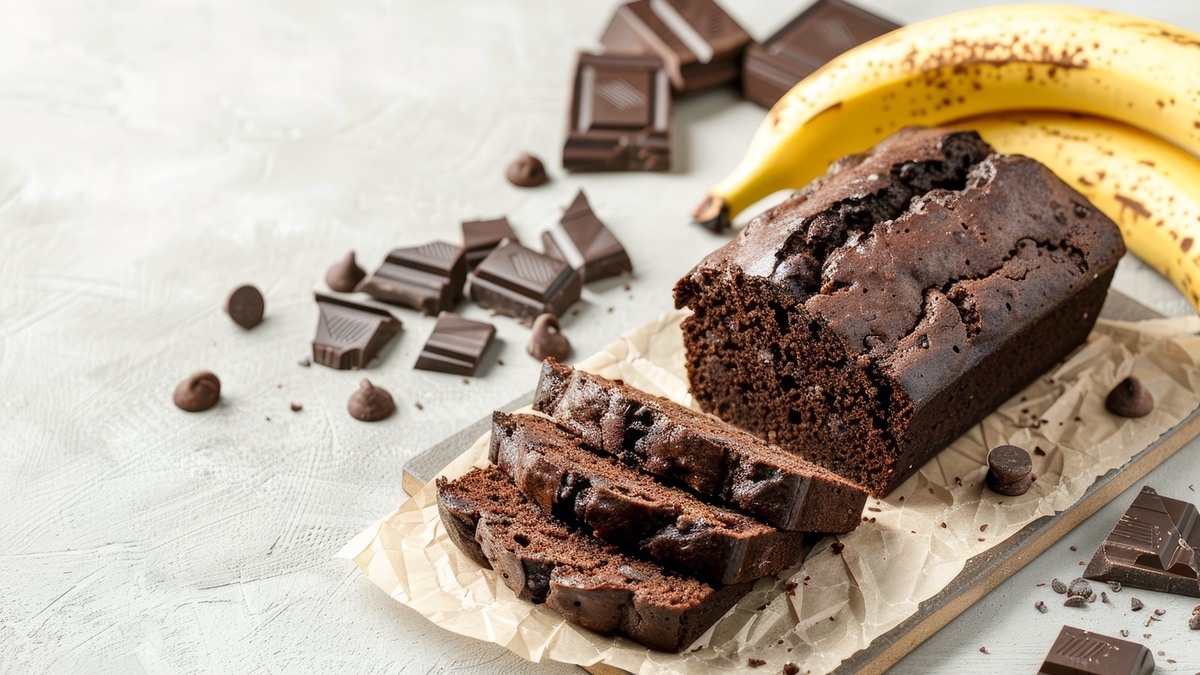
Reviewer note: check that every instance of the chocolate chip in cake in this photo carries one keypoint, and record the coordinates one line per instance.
(370, 403)
(547, 339)
(526, 171)
(344, 275)
(199, 392)
(1130, 398)
(245, 306)
(1135, 605)
(1058, 586)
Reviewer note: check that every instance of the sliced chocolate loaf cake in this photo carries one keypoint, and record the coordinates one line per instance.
(588, 582)
(622, 506)
(712, 458)
(893, 303)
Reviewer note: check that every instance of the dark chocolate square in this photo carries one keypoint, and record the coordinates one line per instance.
(521, 283)
(699, 43)
(481, 236)
(1153, 546)
(429, 277)
(824, 30)
(456, 345)
(584, 243)
(620, 115)
(349, 335)
(1081, 652)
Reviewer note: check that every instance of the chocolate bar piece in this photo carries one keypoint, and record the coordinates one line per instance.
(456, 345)
(1081, 652)
(584, 243)
(520, 283)
(620, 117)
(1153, 546)
(481, 236)
(429, 278)
(824, 30)
(349, 335)
(698, 42)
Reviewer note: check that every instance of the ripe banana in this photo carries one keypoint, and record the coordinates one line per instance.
(1150, 187)
(1138, 71)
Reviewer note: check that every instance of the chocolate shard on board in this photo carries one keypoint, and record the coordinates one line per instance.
(1153, 546)
(456, 345)
(1081, 652)
(824, 30)
(584, 243)
(620, 115)
(349, 335)
(428, 277)
(481, 237)
(700, 44)
(523, 284)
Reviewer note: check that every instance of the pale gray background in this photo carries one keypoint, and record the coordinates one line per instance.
(153, 155)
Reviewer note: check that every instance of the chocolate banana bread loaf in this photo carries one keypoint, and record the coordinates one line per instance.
(622, 506)
(712, 458)
(893, 303)
(588, 582)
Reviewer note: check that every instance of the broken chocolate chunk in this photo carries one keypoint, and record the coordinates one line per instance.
(520, 283)
(456, 345)
(429, 277)
(1153, 546)
(349, 335)
(698, 41)
(481, 237)
(584, 243)
(1081, 652)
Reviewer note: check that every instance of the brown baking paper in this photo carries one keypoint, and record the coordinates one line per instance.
(909, 547)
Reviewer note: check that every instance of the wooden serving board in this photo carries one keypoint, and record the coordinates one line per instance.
(981, 573)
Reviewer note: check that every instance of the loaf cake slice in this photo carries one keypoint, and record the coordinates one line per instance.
(590, 583)
(893, 303)
(712, 458)
(622, 506)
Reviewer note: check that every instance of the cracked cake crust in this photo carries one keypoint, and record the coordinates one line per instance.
(890, 305)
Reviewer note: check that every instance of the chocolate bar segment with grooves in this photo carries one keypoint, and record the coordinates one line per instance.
(480, 237)
(1153, 546)
(520, 283)
(824, 30)
(429, 277)
(620, 115)
(699, 43)
(1081, 652)
(349, 335)
(584, 243)
(456, 345)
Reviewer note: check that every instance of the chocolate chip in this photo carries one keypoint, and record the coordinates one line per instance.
(296, 407)
(1135, 605)
(547, 339)
(791, 669)
(1075, 601)
(370, 403)
(199, 392)
(1130, 398)
(1058, 586)
(1074, 548)
(1009, 470)
(1040, 606)
(245, 306)
(754, 663)
(344, 275)
(526, 171)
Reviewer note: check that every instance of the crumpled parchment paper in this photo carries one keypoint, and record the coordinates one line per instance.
(909, 547)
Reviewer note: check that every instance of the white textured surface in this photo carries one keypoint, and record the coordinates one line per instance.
(155, 155)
